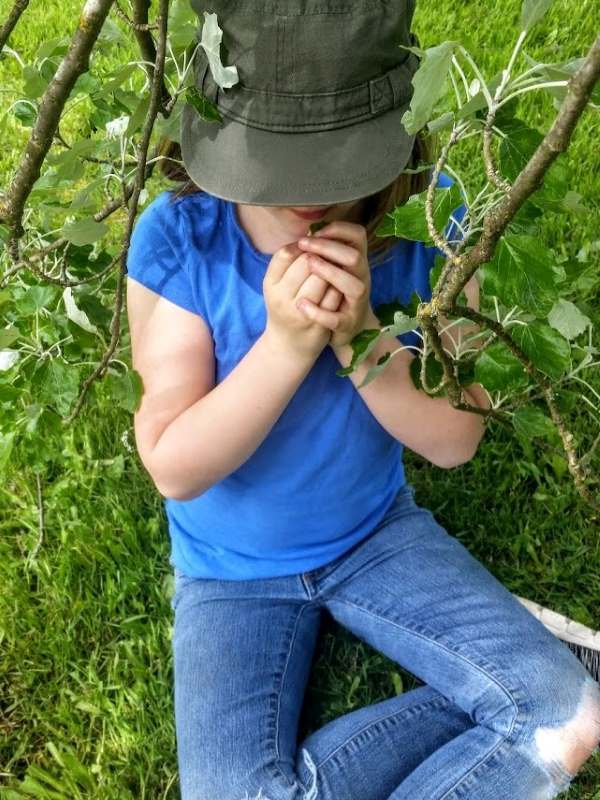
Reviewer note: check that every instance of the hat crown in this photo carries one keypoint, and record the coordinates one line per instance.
(310, 46)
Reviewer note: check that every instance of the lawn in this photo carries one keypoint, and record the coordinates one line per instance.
(85, 622)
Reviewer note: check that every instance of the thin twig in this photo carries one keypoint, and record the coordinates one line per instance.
(14, 16)
(142, 153)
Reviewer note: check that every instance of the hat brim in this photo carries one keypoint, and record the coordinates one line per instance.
(257, 167)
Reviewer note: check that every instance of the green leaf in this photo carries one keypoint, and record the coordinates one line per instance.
(408, 221)
(34, 83)
(560, 72)
(429, 83)
(138, 117)
(436, 271)
(25, 111)
(519, 144)
(110, 33)
(524, 275)
(110, 82)
(362, 344)
(91, 305)
(567, 319)
(182, 24)
(35, 298)
(375, 370)
(572, 202)
(171, 126)
(6, 446)
(205, 108)
(433, 373)
(84, 231)
(57, 46)
(532, 12)
(8, 336)
(497, 369)
(402, 324)
(442, 122)
(59, 384)
(548, 350)
(126, 389)
(530, 422)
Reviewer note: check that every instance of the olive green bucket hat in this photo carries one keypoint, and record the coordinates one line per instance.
(311, 102)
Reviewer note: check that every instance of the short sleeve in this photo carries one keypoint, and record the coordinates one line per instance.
(155, 259)
(453, 231)
(415, 260)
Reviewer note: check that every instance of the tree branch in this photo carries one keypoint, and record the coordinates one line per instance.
(74, 64)
(14, 16)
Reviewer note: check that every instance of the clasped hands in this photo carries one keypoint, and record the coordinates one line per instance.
(338, 255)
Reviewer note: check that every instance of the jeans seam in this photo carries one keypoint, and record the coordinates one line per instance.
(395, 716)
(434, 641)
(431, 640)
(279, 772)
(503, 743)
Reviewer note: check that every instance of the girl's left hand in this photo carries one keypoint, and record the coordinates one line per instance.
(340, 243)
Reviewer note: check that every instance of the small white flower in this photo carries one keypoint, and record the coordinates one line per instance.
(8, 358)
(474, 88)
(125, 441)
(117, 127)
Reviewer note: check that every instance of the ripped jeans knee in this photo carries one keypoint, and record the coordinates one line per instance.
(564, 748)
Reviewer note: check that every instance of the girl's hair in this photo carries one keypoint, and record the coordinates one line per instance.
(375, 206)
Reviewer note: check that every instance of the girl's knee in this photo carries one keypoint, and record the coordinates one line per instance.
(573, 742)
(562, 748)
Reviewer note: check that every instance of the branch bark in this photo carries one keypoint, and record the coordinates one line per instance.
(75, 63)
(11, 22)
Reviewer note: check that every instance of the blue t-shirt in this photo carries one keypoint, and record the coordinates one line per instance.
(327, 471)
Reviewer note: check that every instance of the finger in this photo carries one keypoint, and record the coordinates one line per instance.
(314, 288)
(345, 282)
(332, 300)
(349, 232)
(329, 319)
(335, 251)
(281, 261)
(296, 274)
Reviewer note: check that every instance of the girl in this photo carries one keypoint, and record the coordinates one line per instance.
(283, 482)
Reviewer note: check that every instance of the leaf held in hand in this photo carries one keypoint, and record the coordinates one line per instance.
(316, 226)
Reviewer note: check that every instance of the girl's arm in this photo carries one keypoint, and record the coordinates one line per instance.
(428, 425)
(190, 433)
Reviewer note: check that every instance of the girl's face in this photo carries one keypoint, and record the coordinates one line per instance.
(290, 217)
(272, 227)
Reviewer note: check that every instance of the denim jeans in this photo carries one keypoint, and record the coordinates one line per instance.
(503, 707)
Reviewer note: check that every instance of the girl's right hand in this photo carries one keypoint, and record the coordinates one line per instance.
(288, 278)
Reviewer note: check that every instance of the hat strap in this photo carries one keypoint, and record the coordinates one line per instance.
(318, 111)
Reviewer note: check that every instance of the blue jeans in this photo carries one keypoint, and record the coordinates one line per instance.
(504, 706)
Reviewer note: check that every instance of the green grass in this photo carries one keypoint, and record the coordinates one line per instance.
(85, 667)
